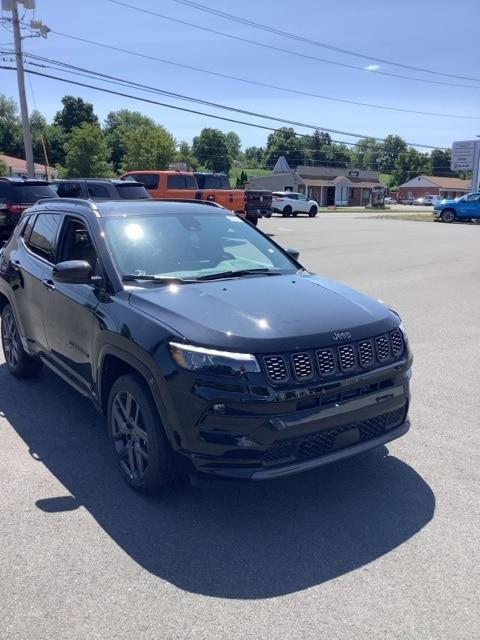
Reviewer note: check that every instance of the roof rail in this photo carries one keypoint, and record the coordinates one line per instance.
(81, 201)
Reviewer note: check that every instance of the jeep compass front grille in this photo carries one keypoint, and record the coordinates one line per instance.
(344, 359)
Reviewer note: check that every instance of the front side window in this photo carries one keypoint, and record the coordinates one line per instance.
(76, 243)
(474, 197)
(189, 246)
(43, 235)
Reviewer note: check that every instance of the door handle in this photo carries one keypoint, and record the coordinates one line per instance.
(49, 284)
(15, 265)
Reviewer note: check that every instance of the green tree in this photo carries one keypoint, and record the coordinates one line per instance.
(211, 150)
(184, 154)
(284, 142)
(55, 139)
(75, 112)
(115, 124)
(441, 163)
(337, 155)
(147, 147)
(38, 126)
(11, 137)
(317, 147)
(366, 153)
(3, 168)
(87, 153)
(254, 157)
(241, 180)
(234, 144)
(409, 163)
(389, 150)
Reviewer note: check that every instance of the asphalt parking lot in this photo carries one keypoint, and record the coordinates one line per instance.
(384, 546)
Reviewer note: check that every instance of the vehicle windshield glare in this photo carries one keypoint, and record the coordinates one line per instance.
(190, 247)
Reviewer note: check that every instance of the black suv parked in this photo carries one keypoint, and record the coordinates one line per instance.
(101, 189)
(16, 194)
(207, 346)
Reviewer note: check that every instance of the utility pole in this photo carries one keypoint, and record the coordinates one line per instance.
(27, 136)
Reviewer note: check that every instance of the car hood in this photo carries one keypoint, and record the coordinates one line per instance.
(263, 314)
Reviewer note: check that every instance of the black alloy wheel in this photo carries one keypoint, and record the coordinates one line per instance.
(19, 362)
(448, 215)
(143, 452)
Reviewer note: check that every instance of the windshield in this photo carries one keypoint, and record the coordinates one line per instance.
(188, 246)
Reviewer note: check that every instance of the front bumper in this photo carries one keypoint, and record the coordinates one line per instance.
(263, 434)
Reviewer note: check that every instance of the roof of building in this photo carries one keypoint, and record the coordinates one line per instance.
(449, 183)
(19, 164)
(443, 182)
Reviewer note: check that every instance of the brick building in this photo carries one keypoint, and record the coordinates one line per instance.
(433, 186)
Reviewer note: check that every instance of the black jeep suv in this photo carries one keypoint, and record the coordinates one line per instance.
(208, 347)
(16, 195)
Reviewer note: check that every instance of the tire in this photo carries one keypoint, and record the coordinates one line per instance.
(287, 212)
(19, 362)
(448, 215)
(295, 213)
(313, 211)
(146, 460)
(253, 220)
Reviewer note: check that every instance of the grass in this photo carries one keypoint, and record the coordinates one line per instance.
(236, 171)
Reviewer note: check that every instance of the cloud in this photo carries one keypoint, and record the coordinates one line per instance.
(372, 67)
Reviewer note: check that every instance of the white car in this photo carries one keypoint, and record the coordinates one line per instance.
(289, 203)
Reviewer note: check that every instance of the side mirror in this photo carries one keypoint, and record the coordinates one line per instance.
(73, 272)
(294, 253)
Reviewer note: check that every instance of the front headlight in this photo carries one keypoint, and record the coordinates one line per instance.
(223, 363)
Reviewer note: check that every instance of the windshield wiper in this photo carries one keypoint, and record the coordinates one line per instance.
(159, 279)
(241, 272)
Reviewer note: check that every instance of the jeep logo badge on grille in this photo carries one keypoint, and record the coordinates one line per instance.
(341, 335)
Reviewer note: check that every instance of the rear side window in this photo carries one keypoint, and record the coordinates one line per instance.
(181, 182)
(98, 191)
(132, 191)
(149, 180)
(32, 192)
(69, 190)
(27, 225)
(44, 232)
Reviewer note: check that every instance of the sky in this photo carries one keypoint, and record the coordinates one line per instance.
(439, 35)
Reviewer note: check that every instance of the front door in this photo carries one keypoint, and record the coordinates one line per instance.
(469, 207)
(69, 309)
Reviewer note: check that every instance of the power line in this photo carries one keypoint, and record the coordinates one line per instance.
(217, 105)
(283, 50)
(163, 104)
(298, 38)
(272, 86)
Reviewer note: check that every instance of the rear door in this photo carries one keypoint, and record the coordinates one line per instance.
(33, 256)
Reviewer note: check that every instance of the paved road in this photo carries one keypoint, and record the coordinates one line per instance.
(383, 547)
